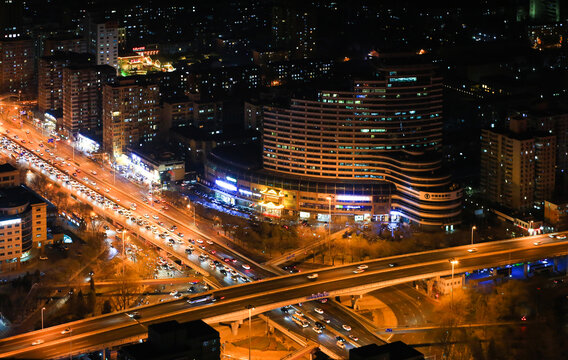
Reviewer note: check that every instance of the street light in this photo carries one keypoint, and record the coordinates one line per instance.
(250, 309)
(42, 310)
(454, 262)
(472, 229)
(329, 216)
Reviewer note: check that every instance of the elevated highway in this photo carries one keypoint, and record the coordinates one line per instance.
(231, 302)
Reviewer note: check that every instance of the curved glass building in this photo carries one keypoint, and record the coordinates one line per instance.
(373, 151)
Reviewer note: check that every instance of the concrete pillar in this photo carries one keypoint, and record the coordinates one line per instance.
(235, 326)
(525, 270)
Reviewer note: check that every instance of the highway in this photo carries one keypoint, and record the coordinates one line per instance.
(275, 292)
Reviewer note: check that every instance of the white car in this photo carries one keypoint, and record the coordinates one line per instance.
(363, 267)
(174, 293)
(317, 330)
(313, 276)
(66, 331)
(358, 271)
(246, 267)
(156, 217)
(340, 344)
(472, 250)
(210, 242)
(37, 342)
(561, 237)
(199, 241)
(318, 310)
(346, 327)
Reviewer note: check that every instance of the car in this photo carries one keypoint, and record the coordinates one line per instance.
(213, 252)
(353, 337)
(339, 338)
(246, 267)
(234, 261)
(537, 243)
(209, 242)
(320, 325)
(107, 190)
(180, 235)
(43, 257)
(393, 264)
(313, 276)
(472, 250)
(346, 327)
(299, 313)
(284, 310)
(358, 271)
(223, 271)
(317, 330)
(173, 292)
(340, 344)
(561, 237)
(66, 331)
(323, 301)
(551, 236)
(199, 241)
(37, 342)
(318, 310)
(134, 315)
(155, 217)
(363, 267)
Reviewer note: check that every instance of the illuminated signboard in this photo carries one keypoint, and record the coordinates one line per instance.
(304, 215)
(225, 185)
(352, 198)
(245, 192)
(233, 180)
(141, 48)
(403, 79)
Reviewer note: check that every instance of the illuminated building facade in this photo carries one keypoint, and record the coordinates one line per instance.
(23, 223)
(517, 167)
(131, 114)
(82, 86)
(103, 42)
(371, 152)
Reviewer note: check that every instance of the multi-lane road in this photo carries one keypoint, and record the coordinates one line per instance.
(232, 301)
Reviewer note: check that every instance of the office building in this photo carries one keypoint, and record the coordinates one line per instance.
(131, 114)
(172, 340)
(372, 152)
(544, 11)
(17, 65)
(82, 101)
(293, 27)
(517, 166)
(23, 219)
(102, 37)
(50, 78)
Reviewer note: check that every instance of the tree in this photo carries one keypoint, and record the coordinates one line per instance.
(107, 307)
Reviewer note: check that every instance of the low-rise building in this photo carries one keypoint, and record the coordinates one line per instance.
(556, 214)
(9, 176)
(23, 224)
(156, 167)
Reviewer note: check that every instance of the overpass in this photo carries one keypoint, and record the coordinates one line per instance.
(149, 282)
(232, 302)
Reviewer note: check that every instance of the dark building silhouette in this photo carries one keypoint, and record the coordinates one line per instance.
(393, 351)
(172, 340)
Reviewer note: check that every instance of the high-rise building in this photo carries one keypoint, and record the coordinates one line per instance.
(517, 167)
(11, 18)
(293, 28)
(82, 97)
(131, 114)
(103, 39)
(17, 65)
(64, 44)
(544, 11)
(372, 151)
(50, 78)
